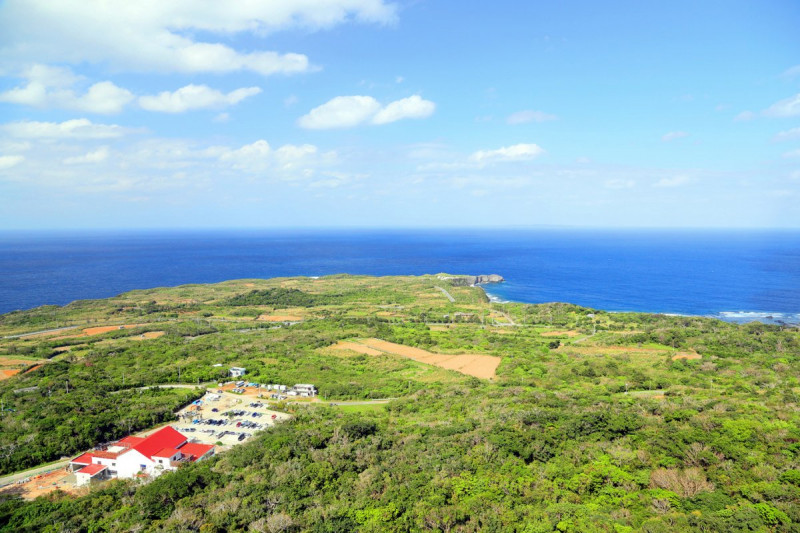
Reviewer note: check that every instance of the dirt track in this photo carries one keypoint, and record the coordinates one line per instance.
(480, 366)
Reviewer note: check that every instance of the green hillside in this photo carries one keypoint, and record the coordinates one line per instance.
(594, 421)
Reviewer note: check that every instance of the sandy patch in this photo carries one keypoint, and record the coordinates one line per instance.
(43, 484)
(61, 349)
(5, 374)
(280, 318)
(439, 328)
(148, 335)
(687, 355)
(249, 284)
(480, 366)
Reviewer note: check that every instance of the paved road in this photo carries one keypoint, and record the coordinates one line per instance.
(449, 297)
(13, 478)
(39, 332)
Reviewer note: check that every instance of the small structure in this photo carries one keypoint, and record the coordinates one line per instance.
(90, 473)
(164, 450)
(237, 371)
(305, 389)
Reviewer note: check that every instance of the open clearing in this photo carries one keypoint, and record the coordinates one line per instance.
(280, 318)
(480, 366)
(569, 333)
(687, 355)
(7, 373)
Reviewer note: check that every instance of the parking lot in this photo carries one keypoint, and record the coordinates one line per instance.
(231, 419)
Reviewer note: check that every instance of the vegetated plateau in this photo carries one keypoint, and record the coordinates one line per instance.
(591, 422)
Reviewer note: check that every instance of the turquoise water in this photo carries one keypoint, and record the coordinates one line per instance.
(735, 275)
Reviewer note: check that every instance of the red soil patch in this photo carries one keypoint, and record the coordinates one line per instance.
(480, 366)
(5, 374)
(31, 369)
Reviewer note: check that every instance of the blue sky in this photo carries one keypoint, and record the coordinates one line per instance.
(198, 113)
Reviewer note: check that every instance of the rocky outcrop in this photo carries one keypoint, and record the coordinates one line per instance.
(474, 280)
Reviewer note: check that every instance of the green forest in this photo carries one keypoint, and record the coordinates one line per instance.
(594, 422)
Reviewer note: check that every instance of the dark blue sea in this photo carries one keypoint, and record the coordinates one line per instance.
(734, 275)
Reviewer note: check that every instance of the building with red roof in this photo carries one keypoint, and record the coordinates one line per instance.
(87, 474)
(164, 450)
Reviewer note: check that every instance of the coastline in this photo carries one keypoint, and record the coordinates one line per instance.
(732, 317)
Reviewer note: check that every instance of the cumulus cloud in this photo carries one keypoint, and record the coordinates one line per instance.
(153, 35)
(51, 87)
(618, 183)
(671, 136)
(788, 107)
(523, 117)
(793, 133)
(350, 111)
(8, 161)
(194, 97)
(517, 152)
(287, 162)
(96, 156)
(674, 181)
(80, 128)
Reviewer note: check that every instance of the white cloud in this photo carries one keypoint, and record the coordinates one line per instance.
(350, 111)
(671, 136)
(153, 35)
(793, 133)
(618, 183)
(287, 162)
(8, 161)
(517, 152)
(791, 72)
(744, 116)
(51, 87)
(788, 107)
(792, 153)
(80, 128)
(194, 97)
(523, 117)
(675, 181)
(340, 112)
(96, 156)
(411, 107)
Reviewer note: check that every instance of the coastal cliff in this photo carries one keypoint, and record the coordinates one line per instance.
(473, 280)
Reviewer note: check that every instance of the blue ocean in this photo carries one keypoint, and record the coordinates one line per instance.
(734, 275)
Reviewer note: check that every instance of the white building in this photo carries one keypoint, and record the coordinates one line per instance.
(164, 450)
(237, 371)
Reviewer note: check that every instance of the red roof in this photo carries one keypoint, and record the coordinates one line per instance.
(105, 454)
(195, 450)
(85, 459)
(166, 437)
(92, 469)
(166, 452)
(130, 441)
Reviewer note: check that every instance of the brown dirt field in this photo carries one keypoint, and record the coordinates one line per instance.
(480, 366)
(687, 355)
(31, 369)
(569, 333)
(503, 331)
(148, 335)
(41, 485)
(106, 329)
(439, 328)
(61, 349)
(356, 347)
(280, 318)
(5, 374)
(7, 361)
